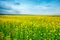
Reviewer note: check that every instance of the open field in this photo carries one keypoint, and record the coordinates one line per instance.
(15, 27)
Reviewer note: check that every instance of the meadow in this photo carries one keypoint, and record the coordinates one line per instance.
(32, 27)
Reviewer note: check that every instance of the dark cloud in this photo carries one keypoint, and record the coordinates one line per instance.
(6, 6)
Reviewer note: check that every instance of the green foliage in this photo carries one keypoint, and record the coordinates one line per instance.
(30, 29)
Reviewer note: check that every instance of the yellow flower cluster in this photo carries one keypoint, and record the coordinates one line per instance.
(30, 28)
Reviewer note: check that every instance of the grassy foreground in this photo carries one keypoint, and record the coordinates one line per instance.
(13, 27)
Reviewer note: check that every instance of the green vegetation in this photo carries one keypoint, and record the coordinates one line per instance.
(30, 28)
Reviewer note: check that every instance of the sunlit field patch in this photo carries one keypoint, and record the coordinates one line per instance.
(29, 27)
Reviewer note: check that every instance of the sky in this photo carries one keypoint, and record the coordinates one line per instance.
(30, 7)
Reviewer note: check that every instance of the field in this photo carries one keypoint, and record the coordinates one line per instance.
(20, 27)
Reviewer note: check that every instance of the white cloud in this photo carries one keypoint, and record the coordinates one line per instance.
(31, 9)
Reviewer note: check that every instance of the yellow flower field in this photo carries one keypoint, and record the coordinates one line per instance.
(32, 27)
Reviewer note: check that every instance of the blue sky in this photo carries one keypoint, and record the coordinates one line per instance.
(30, 7)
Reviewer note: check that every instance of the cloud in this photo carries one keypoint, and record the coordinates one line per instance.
(7, 8)
(26, 7)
